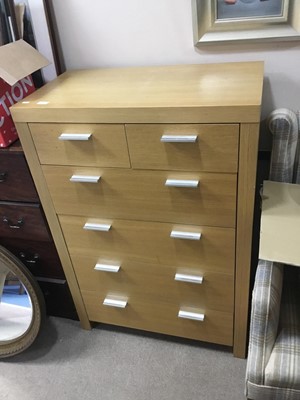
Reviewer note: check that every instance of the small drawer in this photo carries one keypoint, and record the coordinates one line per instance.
(23, 221)
(152, 242)
(179, 197)
(40, 258)
(16, 183)
(160, 317)
(198, 287)
(185, 147)
(81, 144)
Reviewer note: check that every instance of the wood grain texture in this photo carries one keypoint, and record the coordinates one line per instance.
(216, 148)
(40, 258)
(246, 192)
(16, 183)
(23, 221)
(36, 172)
(157, 282)
(107, 146)
(151, 242)
(204, 93)
(142, 195)
(161, 97)
(161, 317)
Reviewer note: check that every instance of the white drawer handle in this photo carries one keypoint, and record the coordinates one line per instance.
(178, 138)
(191, 315)
(185, 235)
(107, 268)
(114, 302)
(75, 136)
(189, 278)
(90, 226)
(85, 178)
(182, 183)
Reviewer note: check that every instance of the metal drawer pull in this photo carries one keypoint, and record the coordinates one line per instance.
(3, 176)
(85, 178)
(17, 225)
(75, 136)
(115, 303)
(27, 260)
(90, 226)
(185, 235)
(182, 183)
(107, 267)
(178, 138)
(191, 315)
(189, 278)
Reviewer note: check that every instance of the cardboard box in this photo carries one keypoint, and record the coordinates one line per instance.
(280, 223)
(17, 61)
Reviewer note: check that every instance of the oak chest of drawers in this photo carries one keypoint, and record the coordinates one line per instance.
(147, 179)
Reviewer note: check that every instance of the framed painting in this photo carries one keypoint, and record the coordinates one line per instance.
(228, 21)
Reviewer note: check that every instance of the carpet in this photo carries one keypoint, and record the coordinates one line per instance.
(112, 363)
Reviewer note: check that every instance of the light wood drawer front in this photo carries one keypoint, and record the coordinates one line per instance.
(161, 317)
(151, 242)
(106, 147)
(215, 149)
(143, 195)
(196, 286)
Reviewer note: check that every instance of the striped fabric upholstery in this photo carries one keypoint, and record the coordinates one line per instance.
(283, 124)
(280, 379)
(266, 298)
(297, 162)
(273, 366)
(283, 367)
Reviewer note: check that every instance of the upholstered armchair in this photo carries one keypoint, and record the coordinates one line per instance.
(273, 365)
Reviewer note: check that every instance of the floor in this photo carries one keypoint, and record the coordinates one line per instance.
(67, 362)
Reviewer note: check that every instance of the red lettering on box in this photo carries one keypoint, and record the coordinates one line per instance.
(10, 95)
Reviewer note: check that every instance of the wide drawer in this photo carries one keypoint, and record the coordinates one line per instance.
(191, 198)
(196, 286)
(40, 258)
(187, 147)
(16, 183)
(83, 144)
(23, 221)
(217, 327)
(151, 242)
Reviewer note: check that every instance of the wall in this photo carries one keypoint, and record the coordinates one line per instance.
(105, 33)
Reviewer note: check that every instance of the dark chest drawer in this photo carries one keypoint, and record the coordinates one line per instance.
(16, 183)
(58, 298)
(40, 258)
(23, 221)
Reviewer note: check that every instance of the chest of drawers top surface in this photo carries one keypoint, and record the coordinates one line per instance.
(226, 92)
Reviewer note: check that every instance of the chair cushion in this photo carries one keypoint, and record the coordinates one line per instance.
(280, 379)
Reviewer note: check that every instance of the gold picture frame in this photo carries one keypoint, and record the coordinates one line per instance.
(211, 26)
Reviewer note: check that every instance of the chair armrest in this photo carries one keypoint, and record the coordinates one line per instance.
(283, 124)
(265, 311)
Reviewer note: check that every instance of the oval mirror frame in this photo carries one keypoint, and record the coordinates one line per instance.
(15, 346)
